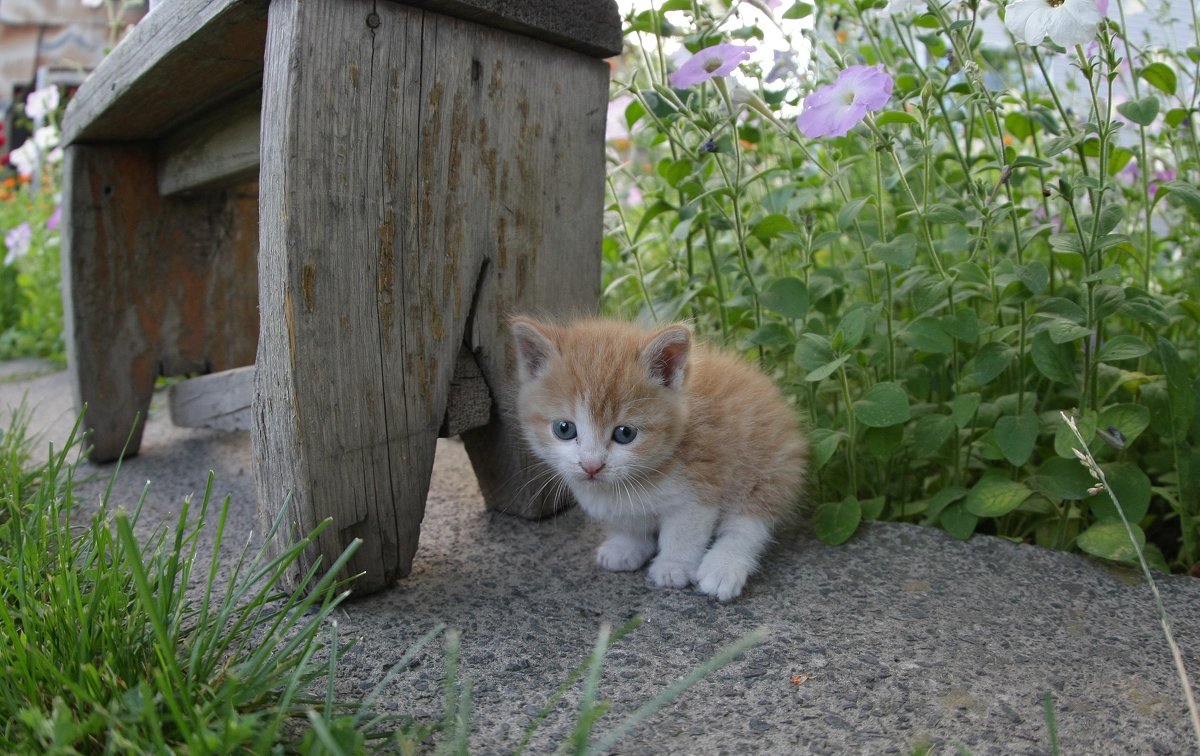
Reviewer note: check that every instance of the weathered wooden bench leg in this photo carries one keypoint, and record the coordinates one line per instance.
(415, 169)
(150, 286)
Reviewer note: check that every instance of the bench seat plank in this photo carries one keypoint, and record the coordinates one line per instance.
(181, 59)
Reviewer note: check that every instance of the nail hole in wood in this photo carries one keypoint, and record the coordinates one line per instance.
(476, 70)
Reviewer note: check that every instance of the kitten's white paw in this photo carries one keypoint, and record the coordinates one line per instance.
(721, 577)
(623, 553)
(666, 573)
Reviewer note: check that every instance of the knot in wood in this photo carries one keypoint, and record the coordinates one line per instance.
(373, 20)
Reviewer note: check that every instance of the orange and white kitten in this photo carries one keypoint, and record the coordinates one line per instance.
(686, 454)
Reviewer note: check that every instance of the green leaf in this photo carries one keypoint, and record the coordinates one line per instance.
(652, 212)
(787, 297)
(994, 495)
(943, 213)
(1142, 112)
(812, 351)
(1179, 388)
(872, 508)
(1105, 274)
(1063, 331)
(1110, 540)
(772, 226)
(899, 252)
(1029, 161)
(1035, 276)
(1129, 419)
(772, 335)
(853, 326)
(1058, 144)
(1132, 489)
(930, 433)
(957, 521)
(1176, 116)
(964, 326)
(896, 116)
(1123, 347)
(1060, 479)
(835, 522)
(885, 404)
(850, 211)
(963, 407)
(1110, 217)
(940, 500)
(1019, 125)
(1160, 76)
(927, 335)
(822, 443)
(798, 10)
(633, 113)
(992, 360)
(1016, 436)
(1183, 193)
(826, 370)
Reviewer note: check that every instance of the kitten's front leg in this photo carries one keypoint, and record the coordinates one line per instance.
(629, 545)
(733, 556)
(682, 539)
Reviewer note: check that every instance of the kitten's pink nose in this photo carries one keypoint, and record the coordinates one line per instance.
(591, 468)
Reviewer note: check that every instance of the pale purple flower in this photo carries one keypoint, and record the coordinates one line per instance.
(55, 219)
(17, 240)
(1065, 22)
(1165, 175)
(718, 60)
(836, 108)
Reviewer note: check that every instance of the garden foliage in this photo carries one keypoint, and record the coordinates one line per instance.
(936, 245)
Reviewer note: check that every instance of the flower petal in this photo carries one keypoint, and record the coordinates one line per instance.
(1027, 20)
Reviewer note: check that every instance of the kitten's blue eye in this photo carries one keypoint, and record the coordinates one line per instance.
(563, 429)
(623, 434)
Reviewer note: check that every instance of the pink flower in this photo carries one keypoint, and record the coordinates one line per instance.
(55, 219)
(718, 60)
(835, 108)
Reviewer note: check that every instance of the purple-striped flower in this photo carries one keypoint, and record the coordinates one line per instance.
(718, 60)
(836, 108)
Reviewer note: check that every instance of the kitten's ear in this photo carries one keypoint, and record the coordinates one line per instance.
(534, 348)
(666, 356)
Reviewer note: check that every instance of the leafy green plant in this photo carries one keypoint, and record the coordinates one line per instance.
(987, 247)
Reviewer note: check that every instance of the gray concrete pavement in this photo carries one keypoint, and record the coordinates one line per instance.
(902, 638)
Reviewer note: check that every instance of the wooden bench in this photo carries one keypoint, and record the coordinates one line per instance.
(349, 195)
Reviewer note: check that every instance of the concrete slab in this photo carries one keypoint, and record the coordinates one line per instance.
(902, 638)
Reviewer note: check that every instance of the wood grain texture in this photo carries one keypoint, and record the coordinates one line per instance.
(588, 26)
(224, 400)
(171, 67)
(408, 159)
(216, 151)
(150, 286)
(217, 400)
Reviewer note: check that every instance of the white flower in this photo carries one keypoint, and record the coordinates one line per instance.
(1065, 22)
(43, 145)
(42, 102)
(46, 138)
(25, 158)
(92, 3)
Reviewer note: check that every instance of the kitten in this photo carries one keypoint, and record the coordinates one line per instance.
(665, 442)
